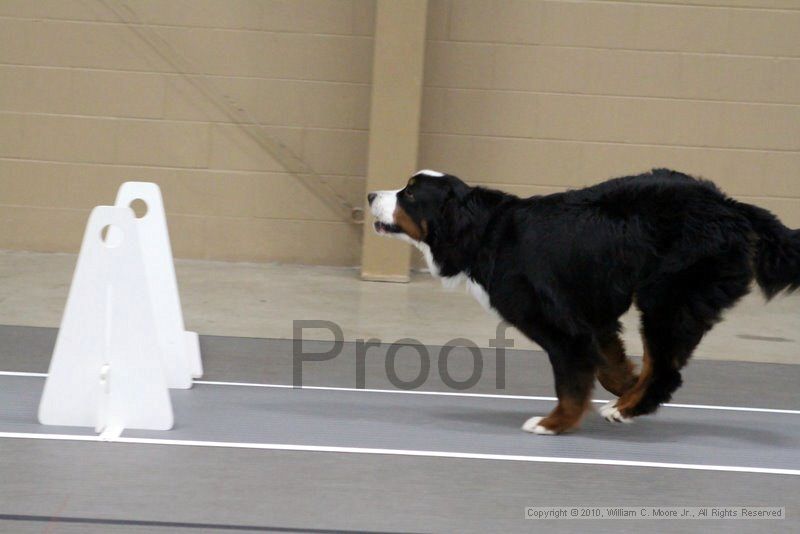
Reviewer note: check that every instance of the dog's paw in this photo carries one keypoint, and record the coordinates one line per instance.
(532, 425)
(611, 413)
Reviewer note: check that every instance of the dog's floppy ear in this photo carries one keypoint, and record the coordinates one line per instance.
(456, 213)
(458, 188)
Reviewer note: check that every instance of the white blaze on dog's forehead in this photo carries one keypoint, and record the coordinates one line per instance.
(428, 172)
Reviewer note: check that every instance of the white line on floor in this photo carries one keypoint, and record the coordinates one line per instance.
(401, 452)
(20, 373)
(489, 396)
(451, 394)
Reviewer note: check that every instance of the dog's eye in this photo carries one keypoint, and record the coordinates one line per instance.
(408, 194)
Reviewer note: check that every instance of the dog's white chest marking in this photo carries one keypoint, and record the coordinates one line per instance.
(451, 282)
(428, 255)
(479, 293)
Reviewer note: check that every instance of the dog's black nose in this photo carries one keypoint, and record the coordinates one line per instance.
(371, 197)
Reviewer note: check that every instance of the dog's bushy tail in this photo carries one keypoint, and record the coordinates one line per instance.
(777, 251)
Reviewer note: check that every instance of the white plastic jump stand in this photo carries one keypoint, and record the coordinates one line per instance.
(180, 349)
(107, 370)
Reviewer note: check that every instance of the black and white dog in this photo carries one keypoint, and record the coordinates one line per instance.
(563, 268)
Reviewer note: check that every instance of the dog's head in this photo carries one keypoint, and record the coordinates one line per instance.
(421, 210)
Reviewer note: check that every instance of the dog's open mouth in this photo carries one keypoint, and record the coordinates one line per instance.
(383, 228)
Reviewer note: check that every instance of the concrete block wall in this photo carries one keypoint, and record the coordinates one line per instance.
(86, 103)
(537, 96)
(531, 96)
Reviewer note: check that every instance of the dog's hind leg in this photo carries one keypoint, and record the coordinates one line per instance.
(574, 362)
(676, 314)
(616, 372)
(666, 351)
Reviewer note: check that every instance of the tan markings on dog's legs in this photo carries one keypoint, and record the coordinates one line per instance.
(566, 415)
(631, 398)
(572, 404)
(616, 374)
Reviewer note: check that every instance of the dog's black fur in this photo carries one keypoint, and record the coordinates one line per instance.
(563, 268)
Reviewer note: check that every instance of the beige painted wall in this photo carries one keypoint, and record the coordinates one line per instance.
(536, 96)
(85, 104)
(396, 104)
(529, 96)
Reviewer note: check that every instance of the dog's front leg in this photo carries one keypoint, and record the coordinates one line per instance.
(573, 360)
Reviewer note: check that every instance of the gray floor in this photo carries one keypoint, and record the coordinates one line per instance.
(262, 300)
(122, 487)
(527, 372)
(472, 425)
